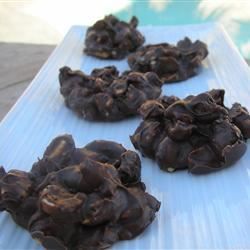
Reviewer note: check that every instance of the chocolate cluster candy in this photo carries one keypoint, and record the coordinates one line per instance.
(104, 95)
(171, 63)
(112, 38)
(198, 132)
(79, 198)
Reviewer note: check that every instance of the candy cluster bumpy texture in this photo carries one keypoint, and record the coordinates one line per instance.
(104, 95)
(79, 198)
(198, 132)
(171, 63)
(112, 38)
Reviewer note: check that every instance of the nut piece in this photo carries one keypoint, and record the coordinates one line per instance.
(171, 63)
(170, 170)
(112, 38)
(79, 198)
(105, 96)
(198, 132)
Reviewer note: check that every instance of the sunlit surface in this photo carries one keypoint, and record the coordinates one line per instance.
(62, 14)
(38, 21)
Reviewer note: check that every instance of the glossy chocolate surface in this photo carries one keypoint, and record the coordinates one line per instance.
(104, 95)
(80, 198)
(197, 133)
(171, 63)
(112, 38)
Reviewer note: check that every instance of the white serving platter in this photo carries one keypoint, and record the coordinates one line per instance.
(197, 212)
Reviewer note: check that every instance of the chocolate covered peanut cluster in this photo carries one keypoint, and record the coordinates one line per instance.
(171, 63)
(112, 38)
(79, 198)
(104, 95)
(197, 133)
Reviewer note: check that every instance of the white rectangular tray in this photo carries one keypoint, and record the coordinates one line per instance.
(197, 212)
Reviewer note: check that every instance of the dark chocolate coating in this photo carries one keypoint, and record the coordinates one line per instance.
(241, 118)
(104, 95)
(112, 38)
(171, 63)
(198, 132)
(79, 198)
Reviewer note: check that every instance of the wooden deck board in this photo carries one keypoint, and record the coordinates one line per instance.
(19, 63)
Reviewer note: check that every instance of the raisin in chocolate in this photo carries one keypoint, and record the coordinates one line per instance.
(79, 198)
(171, 63)
(104, 95)
(197, 133)
(112, 38)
